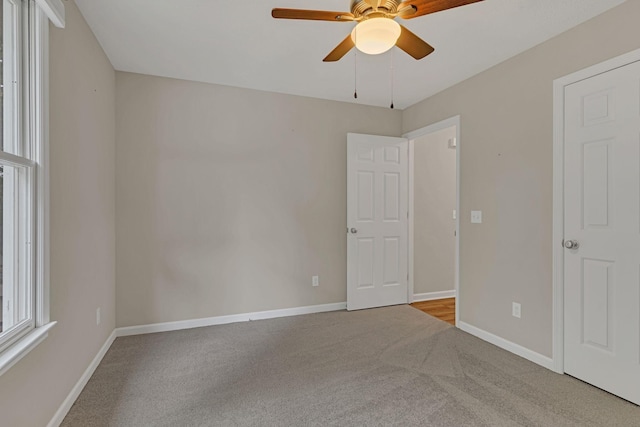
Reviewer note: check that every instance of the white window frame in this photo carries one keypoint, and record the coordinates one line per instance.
(33, 123)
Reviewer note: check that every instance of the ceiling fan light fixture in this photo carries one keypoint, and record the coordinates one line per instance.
(376, 35)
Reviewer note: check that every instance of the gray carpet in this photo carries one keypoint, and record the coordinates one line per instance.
(388, 366)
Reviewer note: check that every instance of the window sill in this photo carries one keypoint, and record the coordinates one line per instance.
(21, 348)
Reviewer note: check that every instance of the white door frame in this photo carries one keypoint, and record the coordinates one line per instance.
(558, 192)
(412, 136)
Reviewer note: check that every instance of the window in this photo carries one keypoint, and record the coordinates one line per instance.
(24, 318)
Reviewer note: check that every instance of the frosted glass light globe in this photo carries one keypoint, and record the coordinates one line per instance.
(376, 35)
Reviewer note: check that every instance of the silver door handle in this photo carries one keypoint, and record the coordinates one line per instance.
(571, 244)
(354, 231)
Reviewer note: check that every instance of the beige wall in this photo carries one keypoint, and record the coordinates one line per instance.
(229, 200)
(434, 199)
(82, 127)
(506, 166)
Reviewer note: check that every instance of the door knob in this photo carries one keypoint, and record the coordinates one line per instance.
(571, 244)
(354, 230)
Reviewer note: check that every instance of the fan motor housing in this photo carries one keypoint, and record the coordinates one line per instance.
(363, 7)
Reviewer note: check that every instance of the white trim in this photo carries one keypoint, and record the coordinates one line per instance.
(23, 346)
(233, 318)
(12, 159)
(432, 128)
(410, 225)
(62, 411)
(514, 348)
(40, 137)
(411, 136)
(54, 9)
(431, 296)
(558, 192)
(558, 229)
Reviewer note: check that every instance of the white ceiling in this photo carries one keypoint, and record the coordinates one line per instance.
(237, 43)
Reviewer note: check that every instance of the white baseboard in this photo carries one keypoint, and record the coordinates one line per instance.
(514, 348)
(434, 295)
(77, 389)
(221, 320)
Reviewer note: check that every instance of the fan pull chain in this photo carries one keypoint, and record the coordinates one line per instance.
(391, 78)
(355, 70)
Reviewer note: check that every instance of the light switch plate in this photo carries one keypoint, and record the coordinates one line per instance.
(476, 217)
(516, 310)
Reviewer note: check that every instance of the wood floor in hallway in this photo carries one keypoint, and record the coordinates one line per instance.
(443, 309)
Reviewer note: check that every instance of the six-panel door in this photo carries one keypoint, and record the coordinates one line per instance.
(377, 206)
(602, 213)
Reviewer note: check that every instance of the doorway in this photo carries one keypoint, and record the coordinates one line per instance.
(434, 206)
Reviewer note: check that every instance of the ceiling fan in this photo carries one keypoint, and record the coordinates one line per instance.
(377, 31)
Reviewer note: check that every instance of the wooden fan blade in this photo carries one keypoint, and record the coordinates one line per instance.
(341, 50)
(413, 44)
(425, 7)
(314, 15)
(407, 11)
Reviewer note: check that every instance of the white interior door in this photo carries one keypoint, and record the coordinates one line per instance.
(377, 210)
(602, 214)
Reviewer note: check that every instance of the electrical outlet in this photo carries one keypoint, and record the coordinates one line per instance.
(476, 217)
(315, 281)
(516, 310)
(98, 319)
